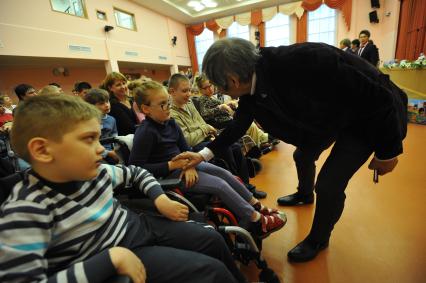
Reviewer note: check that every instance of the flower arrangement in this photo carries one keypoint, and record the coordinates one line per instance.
(405, 64)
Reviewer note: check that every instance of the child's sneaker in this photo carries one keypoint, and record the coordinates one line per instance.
(270, 224)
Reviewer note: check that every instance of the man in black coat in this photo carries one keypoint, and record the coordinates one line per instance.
(311, 95)
(367, 49)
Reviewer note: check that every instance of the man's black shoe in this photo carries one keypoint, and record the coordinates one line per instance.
(296, 199)
(256, 193)
(305, 251)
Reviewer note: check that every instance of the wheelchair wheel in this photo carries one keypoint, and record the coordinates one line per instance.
(267, 275)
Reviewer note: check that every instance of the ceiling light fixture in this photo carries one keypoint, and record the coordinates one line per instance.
(209, 3)
(193, 3)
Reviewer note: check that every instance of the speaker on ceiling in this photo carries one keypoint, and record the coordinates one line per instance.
(373, 17)
(375, 3)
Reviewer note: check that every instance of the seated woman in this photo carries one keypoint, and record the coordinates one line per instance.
(159, 139)
(121, 104)
(219, 115)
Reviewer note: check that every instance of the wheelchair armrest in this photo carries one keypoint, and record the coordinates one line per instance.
(168, 184)
(119, 279)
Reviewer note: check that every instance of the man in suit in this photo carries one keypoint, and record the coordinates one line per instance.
(295, 93)
(367, 49)
(345, 45)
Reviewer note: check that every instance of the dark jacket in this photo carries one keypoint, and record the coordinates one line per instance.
(370, 53)
(308, 93)
(125, 117)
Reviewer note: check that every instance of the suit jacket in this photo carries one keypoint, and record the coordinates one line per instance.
(370, 53)
(308, 93)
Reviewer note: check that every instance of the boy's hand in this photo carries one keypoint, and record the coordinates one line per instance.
(178, 164)
(171, 209)
(212, 130)
(191, 177)
(127, 263)
(112, 154)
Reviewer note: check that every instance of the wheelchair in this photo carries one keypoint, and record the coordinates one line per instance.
(244, 246)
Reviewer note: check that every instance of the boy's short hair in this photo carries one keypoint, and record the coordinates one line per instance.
(142, 95)
(50, 90)
(21, 90)
(50, 117)
(175, 80)
(356, 42)
(80, 86)
(96, 95)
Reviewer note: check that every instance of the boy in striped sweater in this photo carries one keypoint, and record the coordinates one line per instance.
(61, 222)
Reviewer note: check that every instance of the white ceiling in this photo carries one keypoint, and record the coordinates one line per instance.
(181, 12)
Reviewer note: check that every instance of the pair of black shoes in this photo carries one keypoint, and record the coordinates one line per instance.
(306, 250)
(296, 199)
(256, 193)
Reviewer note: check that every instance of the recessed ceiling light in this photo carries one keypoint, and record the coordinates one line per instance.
(193, 3)
(199, 7)
(209, 3)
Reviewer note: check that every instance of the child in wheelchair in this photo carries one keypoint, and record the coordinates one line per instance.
(100, 98)
(159, 139)
(61, 223)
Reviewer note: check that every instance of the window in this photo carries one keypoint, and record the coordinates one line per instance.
(72, 7)
(322, 25)
(277, 31)
(202, 43)
(124, 19)
(237, 30)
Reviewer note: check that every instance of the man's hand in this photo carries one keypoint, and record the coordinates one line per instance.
(171, 209)
(227, 108)
(191, 177)
(127, 263)
(383, 166)
(193, 157)
(177, 164)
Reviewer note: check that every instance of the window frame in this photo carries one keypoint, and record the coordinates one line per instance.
(236, 23)
(125, 12)
(335, 26)
(85, 14)
(289, 28)
(196, 49)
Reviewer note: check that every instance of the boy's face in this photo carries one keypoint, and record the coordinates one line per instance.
(7, 101)
(159, 106)
(83, 92)
(30, 93)
(181, 93)
(78, 155)
(105, 107)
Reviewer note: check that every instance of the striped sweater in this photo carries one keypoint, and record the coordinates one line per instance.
(53, 233)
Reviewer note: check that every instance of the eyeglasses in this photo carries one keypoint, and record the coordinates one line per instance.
(164, 106)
